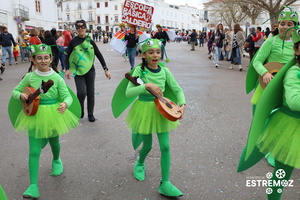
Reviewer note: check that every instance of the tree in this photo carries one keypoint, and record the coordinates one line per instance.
(232, 10)
(273, 7)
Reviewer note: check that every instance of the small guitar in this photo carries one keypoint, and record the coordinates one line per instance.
(30, 106)
(273, 68)
(165, 106)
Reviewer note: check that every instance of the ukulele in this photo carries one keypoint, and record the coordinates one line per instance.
(30, 106)
(165, 106)
(273, 68)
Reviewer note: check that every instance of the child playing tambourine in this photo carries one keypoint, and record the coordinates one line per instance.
(52, 119)
(144, 119)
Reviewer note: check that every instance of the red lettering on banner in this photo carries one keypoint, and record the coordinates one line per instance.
(137, 14)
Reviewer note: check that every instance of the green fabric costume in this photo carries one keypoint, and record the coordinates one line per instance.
(274, 49)
(82, 57)
(144, 119)
(275, 125)
(47, 124)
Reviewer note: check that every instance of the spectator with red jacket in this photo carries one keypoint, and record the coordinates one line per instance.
(258, 39)
(67, 36)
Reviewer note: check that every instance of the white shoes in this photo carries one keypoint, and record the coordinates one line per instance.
(240, 68)
(217, 65)
(231, 66)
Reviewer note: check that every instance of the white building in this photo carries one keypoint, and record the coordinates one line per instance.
(27, 14)
(107, 14)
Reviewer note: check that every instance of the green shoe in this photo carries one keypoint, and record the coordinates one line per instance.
(167, 189)
(270, 160)
(57, 167)
(139, 171)
(32, 192)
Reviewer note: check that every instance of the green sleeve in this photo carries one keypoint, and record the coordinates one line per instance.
(64, 93)
(177, 90)
(292, 89)
(17, 91)
(134, 90)
(263, 54)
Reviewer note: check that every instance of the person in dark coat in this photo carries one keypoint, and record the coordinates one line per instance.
(161, 34)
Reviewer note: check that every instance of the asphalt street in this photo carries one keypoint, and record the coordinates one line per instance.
(98, 157)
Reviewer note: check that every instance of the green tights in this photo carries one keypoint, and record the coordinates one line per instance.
(165, 159)
(35, 147)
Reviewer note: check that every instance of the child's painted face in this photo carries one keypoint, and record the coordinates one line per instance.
(152, 57)
(42, 61)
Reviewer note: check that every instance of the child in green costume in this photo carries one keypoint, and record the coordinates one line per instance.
(144, 118)
(52, 119)
(278, 48)
(276, 132)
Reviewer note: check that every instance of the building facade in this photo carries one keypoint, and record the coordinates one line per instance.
(27, 14)
(107, 14)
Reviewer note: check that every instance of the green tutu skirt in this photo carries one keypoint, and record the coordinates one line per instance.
(46, 123)
(281, 139)
(144, 118)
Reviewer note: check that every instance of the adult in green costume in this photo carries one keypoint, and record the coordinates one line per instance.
(278, 48)
(276, 123)
(52, 119)
(143, 117)
(80, 58)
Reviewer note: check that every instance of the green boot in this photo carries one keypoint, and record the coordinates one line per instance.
(270, 160)
(32, 192)
(167, 189)
(139, 171)
(57, 167)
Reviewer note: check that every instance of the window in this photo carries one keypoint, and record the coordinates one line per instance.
(90, 16)
(98, 20)
(116, 7)
(116, 18)
(68, 17)
(106, 4)
(106, 19)
(98, 4)
(90, 5)
(79, 5)
(38, 6)
(79, 16)
(68, 7)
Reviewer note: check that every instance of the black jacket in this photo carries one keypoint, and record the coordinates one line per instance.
(161, 35)
(6, 40)
(217, 40)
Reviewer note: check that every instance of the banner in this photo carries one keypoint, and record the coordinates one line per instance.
(137, 14)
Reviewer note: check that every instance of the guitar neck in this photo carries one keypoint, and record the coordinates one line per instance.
(32, 96)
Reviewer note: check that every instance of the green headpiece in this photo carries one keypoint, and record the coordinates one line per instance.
(40, 49)
(150, 44)
(153, 43)
(291, 16)
(296, 34)
(286, 15)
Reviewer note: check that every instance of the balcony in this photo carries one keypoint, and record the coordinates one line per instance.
(21, 11)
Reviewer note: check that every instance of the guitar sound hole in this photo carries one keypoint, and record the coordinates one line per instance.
(169, 105)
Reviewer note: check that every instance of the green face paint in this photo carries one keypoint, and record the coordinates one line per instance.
(148, 57)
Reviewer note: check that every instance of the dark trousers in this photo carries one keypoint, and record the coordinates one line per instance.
(85, 86)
